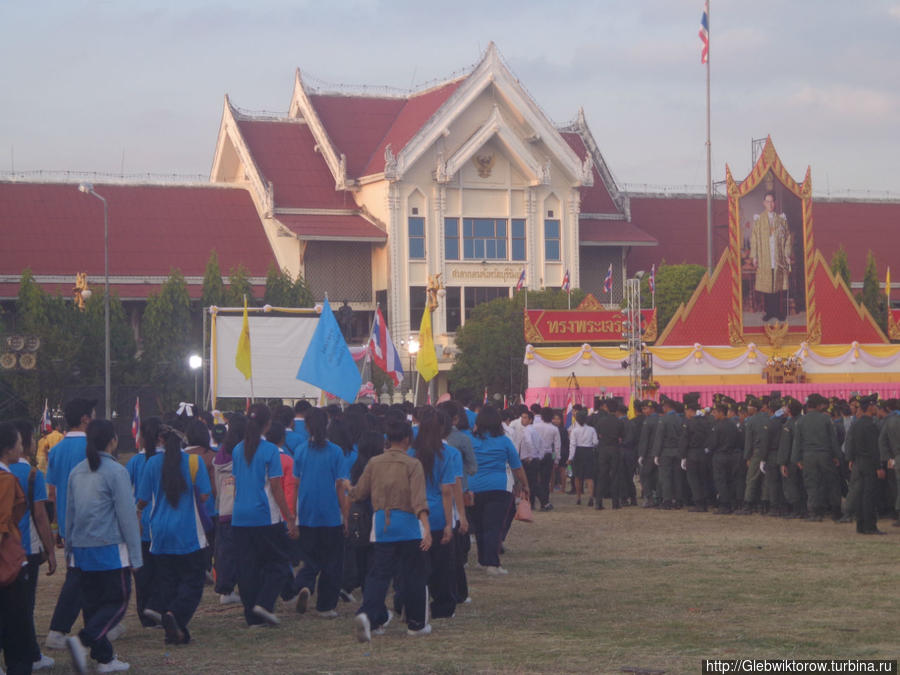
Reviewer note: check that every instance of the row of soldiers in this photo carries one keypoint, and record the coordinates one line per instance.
(771, 455)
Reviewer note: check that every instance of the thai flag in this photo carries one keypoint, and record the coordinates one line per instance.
(566, 282)
(570, 404)
(520, 284)
(704, 33)
(652, 282)
(384, 353)
(485, 402)
(607, 282)
(136, 420)
(46, 424)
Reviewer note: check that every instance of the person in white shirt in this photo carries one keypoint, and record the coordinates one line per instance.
(582, 443)
(546, 439)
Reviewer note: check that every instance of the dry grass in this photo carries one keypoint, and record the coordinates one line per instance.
(590, 592)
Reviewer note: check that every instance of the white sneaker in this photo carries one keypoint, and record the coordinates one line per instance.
(153, 615)
(468, 600)
(380, 629)
(330, 614)
(496, 571)
(362, 628)
(44, 662)
(425, 630)
(79, 654)
(114, 666)
(265, 615)
(55, 640)
(231, 599)
(116, 632)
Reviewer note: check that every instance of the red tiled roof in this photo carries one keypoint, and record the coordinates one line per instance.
(285, 153)
(332, 226)
(612, 232)
(56, 230)
(356, 125)
(416, 111)
(594, 198)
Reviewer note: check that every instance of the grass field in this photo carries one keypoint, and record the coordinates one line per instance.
(596, 592)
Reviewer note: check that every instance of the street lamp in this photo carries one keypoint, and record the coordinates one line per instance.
(195, 362)
(413, 348)
(88, 188)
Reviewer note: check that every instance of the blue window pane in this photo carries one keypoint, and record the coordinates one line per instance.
(490, 248)
(501, 249)
(484, 228)
(501, 228)
(451, 248)
(451, 227)
(518, 249)
(479, 248)
(551, 250)
(467, 227)
(416, 227)
(417, 247)
(551, 229)
(468, 249)
(518, 228)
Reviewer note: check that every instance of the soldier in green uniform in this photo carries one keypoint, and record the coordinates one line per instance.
(851, 503)
(865, 463)
(610, 431)
(791, 476)
(815, 451)
(773, 495)
(666, 453)
(889, 445)
(725, 445)
(756, 444)
(630, 455)
(694, 451)
(649, 471)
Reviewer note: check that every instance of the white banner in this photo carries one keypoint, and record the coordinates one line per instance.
(277, 346)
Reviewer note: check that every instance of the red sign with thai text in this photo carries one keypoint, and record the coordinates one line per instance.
(551, 325)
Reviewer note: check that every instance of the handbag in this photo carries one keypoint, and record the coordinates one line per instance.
(524, 512)
(205, 521)
(359, 524)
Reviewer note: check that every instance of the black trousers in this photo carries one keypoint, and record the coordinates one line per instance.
(626, 478)
(262, 565)
(411, 564)
(33, 570)
(322, 552)
(488, 513)
(461, 553)
(867, 513)
(442, 576)
(106, 596)
(179, 585)
(356, 566)
(546, 476)
(225, 559)
(609, 464)
(775, 304)
(726, 468)
(68, 605)
(698, 467)
(535, 481)
(145, 584)
(649, 479)
(16, 626)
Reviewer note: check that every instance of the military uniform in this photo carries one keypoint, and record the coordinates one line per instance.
(725, 445)
(815, 447)
(666, 452)
(792, 484)
(756, 444)
(863, 453)
(694, 451)
(609, 457)
(649, 472)
(773, 494)
(630, 458)
(889, 447)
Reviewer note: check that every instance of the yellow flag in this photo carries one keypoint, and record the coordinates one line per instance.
(887, 286)
(426, 363)
(242, 356)
(632, 413)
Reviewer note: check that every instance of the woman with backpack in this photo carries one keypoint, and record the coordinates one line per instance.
(175, 482)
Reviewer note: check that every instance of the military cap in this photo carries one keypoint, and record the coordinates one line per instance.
(692, 400)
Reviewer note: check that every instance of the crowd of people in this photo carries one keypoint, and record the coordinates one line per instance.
(310, 505)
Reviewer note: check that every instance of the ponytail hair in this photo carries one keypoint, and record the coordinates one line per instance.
(9, 435)
(150, 435)
(173, 483)
(317, 427)
(100, 434)
(234, 434)
(257, 422)
(428, 443)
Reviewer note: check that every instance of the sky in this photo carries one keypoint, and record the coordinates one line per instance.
(107, 85)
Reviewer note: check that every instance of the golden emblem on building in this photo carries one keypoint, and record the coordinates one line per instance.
(484, 164)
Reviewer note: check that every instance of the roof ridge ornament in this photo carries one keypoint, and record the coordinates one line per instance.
(390, 164)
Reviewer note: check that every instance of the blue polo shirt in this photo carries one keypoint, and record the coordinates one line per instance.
(65, 456)
(318, 469)
(493, 453)
(22, 470)
(441, 474)
(174, 530)
(254, 505)
(404, 526)
(135, 469)
(294, 438)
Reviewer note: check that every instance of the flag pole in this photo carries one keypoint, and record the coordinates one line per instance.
(709, 238)
(252, 397)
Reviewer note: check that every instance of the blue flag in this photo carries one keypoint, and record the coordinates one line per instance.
(328, 363)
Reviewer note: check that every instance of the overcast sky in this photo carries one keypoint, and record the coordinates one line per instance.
(86, 80)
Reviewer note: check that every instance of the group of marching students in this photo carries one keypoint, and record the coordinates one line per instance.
(278, 503)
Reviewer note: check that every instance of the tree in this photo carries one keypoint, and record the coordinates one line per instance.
(213, 289)
(279, 288)
(674, 285)
(167, 341)
(840, 265)
(492, 342)
(239, 287)
(872, 296)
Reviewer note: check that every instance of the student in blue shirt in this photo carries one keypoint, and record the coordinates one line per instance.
(37, 540)
(297, 433)
(322, 507)
(493, 452)
(144, 578)
(103, 541)
(258, 521)
(177, 540)
(440, 479)
(64, 456)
